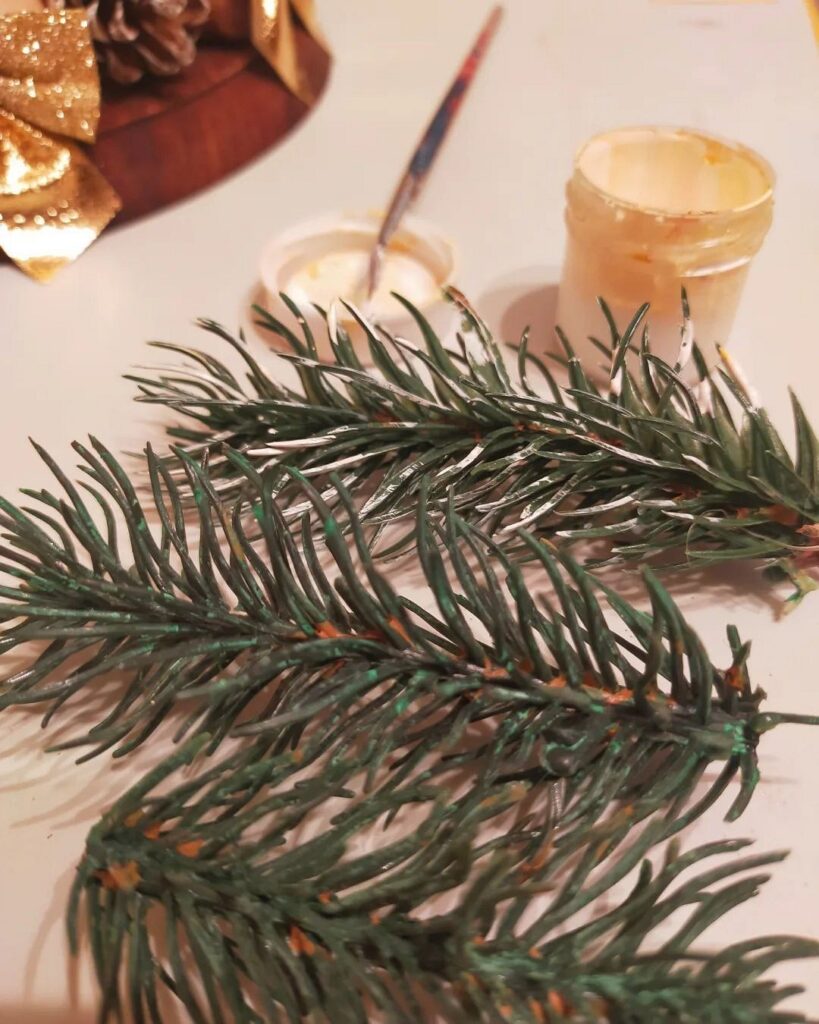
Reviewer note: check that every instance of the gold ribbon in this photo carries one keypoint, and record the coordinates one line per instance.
(53, 200)
(272, 32)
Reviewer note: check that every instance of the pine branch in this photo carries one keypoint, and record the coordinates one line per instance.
(264, 925)
(235, 622)
(655, 466)
(345, 697)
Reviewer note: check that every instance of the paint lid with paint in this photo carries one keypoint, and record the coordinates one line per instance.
(324, 262)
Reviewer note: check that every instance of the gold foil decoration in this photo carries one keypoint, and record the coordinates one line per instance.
(53, 200)
(813, 16)
(272, 31)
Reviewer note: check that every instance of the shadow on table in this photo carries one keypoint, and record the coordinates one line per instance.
(727, 585)
(60, 1015)
(524, 299)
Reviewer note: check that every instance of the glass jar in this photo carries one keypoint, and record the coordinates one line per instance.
(650, 211)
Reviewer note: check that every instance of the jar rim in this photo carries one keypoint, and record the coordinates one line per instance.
(760, 164)
(426, 242)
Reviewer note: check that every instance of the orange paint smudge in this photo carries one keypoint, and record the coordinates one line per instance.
(537, 1011)
(123, 877)
(491, 671)
(558, 1003)
(621, 697)
(782, 515)
(735, 678)
(327, 631)
(398, 628)
(300, 944)
(537, 862)
(190, 848)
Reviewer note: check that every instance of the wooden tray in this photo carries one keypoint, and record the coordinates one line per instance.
(164, 140)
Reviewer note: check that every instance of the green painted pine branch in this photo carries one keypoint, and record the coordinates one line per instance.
(258, 638)
(261, 923)
(453, 721)
(657, 466)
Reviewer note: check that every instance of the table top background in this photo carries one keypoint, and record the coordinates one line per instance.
(557, 73)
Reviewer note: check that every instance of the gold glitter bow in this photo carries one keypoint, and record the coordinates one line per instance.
(53, 200)
(272, 32)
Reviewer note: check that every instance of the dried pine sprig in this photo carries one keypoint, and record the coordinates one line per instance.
(194, 611)
(655, 466)
(262, 923)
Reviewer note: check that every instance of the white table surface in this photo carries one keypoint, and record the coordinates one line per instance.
(559, 71)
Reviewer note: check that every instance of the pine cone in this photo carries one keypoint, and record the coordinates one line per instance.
(138, 37)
